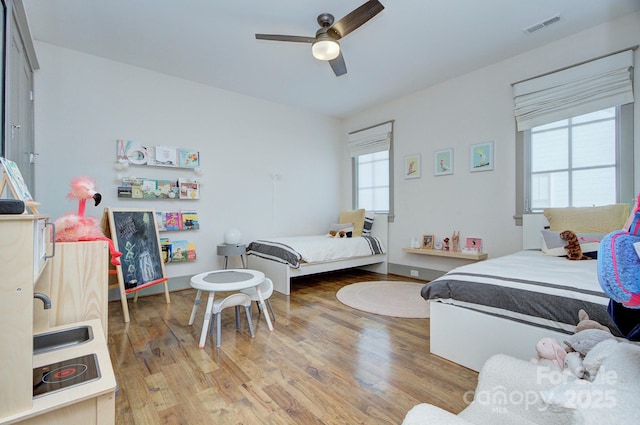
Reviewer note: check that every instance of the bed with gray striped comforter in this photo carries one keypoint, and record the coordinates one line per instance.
(528, 287)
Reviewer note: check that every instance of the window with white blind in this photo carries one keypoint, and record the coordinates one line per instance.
(575, 136)
(575, 162)
(371, 153)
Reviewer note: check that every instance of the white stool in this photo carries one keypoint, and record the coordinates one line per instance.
(234, 300)
(266, 289)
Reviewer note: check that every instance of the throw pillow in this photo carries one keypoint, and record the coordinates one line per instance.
(368, 224)
(355, 217)
(553, 245)
(603, 219)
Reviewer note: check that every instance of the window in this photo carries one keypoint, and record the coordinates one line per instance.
(574, 144)
(372, 177)
(573, 162)
(372, 159)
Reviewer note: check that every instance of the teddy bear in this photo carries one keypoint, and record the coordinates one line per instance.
(574, 252)
(585, 340)
(550, 352)
(586, 323)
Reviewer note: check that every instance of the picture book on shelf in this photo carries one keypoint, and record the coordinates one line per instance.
(190, 220)
(191, 251)
(189, 189)
(180, 251)
(173, 221)
(161, 222)
(166, 156)
(166, 247)
(188, 158)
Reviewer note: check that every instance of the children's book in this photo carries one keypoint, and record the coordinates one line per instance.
(168, 189)
(166, 247)
(180, 251)
(173, 221)
(191, 251)
(15, 180)
(188, 158)
(161, 222)
(189, 189)
(190, 220)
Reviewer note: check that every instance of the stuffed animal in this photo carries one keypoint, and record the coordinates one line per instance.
(338, 234)
(573, 364)
(586, 323)
(550, 352)
(76, 227)
(574, 252)
(585, 340)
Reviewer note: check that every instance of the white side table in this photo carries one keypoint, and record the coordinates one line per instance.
(232, 250)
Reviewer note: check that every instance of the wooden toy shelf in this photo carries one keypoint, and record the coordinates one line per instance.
(450, 254)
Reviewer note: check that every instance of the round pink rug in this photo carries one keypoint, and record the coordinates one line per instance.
(388, 298)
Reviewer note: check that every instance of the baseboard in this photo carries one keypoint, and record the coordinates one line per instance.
(422, 273)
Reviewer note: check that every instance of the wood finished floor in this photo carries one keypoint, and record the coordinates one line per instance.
(325, 363)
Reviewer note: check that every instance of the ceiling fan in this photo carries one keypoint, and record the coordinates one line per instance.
(324, 45)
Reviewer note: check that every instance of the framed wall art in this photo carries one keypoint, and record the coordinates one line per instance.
(412, 166)
(443, 162)
(481, 157)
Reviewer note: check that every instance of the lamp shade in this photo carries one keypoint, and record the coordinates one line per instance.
(232, 236)
(325, 48)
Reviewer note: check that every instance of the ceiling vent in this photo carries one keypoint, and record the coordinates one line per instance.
(540, 25)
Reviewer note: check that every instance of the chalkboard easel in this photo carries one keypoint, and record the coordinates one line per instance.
(135, 235)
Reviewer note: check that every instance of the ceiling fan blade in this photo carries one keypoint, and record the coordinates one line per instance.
(355, 19)
(293, 38)
(338, 65)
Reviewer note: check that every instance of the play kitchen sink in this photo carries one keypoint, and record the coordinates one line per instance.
(55, 340)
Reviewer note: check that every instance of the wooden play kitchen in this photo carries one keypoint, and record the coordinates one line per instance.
(70, 343)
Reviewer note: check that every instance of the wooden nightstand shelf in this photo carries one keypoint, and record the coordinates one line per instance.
(450, 254)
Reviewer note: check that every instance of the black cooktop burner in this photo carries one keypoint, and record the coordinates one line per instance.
(65, 374)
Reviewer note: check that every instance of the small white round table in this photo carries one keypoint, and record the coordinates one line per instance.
(224, 280)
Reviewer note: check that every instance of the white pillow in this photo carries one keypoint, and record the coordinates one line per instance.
(553, 244)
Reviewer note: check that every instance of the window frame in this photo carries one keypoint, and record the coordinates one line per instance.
(354, 175)
(624, 163)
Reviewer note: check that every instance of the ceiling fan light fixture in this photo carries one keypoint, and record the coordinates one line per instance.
(325, 49)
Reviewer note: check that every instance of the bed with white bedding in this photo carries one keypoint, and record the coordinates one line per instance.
(506, 304)
(284, 258)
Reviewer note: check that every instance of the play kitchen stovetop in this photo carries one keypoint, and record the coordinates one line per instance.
(65, 374)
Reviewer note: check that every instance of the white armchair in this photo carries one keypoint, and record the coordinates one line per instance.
(517, 392)
(507, 393)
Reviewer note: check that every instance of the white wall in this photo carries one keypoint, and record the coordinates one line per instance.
(475, 108)
(85, 103)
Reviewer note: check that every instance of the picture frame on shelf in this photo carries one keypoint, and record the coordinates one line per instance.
(427, 241)
(473, 246)
(412, 166)
(443, 162)
(481, 157)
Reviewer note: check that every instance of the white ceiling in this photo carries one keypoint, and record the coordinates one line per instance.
(410, 45)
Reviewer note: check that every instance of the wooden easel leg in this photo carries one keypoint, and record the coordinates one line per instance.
(166, 291)
(125, 306)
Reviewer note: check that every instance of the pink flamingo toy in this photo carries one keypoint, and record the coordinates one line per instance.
(77, 227)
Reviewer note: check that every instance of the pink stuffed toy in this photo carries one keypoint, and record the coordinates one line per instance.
(76, 227)
(550, 352)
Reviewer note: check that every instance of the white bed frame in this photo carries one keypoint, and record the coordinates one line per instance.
(469, 338)
(281, 274)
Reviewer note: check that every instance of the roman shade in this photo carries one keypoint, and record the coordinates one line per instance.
(370, 140)
(580, 89)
